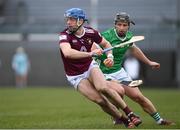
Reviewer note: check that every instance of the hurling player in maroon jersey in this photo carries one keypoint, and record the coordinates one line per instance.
(82, 71)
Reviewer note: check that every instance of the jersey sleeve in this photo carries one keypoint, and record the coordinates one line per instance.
(97, 37)
(106, 35)
(63, 37)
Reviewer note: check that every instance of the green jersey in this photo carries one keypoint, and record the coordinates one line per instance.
(118, 53)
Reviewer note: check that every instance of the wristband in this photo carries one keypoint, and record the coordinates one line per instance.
(110, 56)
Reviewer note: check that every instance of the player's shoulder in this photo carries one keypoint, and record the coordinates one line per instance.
(65, 31)
(64, 35)
(90, 29)
(129, 34)
(108, 33)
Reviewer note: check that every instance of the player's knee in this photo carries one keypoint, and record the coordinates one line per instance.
(103, 90)
(121, 91)
(100, 101)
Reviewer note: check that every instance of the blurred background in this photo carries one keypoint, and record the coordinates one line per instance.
(35, 24)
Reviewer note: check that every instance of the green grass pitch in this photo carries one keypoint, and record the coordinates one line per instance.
(61, 108)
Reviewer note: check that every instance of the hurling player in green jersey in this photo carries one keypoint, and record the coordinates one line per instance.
(116, 35)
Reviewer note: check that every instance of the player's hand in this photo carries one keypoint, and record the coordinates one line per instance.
(154, 65)
(109, 62)
(96, 52)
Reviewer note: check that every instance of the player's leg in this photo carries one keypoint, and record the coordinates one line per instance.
(24, 80)
(88, 90)
(118, 88)
(136, 95)
(98, 79)
(19, 81)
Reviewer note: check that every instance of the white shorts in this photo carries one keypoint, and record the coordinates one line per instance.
(120, 75)
(75, 80)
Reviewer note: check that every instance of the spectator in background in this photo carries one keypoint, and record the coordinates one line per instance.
(21, 66)
(132, 67)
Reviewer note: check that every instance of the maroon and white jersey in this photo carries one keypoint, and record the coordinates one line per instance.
(80, 43)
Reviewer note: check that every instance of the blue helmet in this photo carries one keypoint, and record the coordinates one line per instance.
(76, 13)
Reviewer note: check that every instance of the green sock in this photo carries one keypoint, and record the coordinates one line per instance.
(156, 117)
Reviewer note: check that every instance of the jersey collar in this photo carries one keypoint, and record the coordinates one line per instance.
(122, 39)
(79, 36)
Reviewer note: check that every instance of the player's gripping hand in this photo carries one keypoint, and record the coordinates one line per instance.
(109, 62)
(96, 52)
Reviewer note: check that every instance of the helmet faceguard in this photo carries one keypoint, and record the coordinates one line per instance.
(124, 17)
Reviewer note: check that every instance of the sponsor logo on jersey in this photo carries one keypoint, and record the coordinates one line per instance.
(62, 37)
(74, 41)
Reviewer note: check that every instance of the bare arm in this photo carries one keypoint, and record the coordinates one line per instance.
(105, 44)
(75, 54)
(109, 61)
(141, 56)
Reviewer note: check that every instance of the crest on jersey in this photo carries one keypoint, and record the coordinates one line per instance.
(62, 37)
(89, 41)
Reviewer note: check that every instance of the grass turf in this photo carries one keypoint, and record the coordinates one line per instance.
(60, 108)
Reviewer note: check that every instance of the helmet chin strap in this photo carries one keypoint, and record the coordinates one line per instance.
(79, 25)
